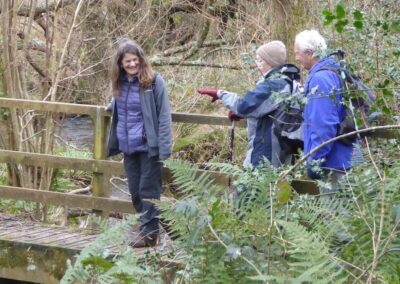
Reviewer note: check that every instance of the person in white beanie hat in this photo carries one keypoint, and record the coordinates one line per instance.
(259, 105)
(273, 53)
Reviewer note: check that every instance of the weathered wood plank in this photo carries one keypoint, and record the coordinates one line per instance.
(91, 110)
(49, 106)
(98, 166)
(53, 161)
(65, 199)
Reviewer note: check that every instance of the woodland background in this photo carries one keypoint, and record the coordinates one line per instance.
(60, 51)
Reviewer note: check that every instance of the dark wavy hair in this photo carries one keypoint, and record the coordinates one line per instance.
(145, 74)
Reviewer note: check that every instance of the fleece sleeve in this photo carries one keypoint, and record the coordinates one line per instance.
(164, 119)
(254, 104)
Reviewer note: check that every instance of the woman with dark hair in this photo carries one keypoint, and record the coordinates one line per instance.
(141, 130)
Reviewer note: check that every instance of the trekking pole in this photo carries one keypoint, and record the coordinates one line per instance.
(230, 157)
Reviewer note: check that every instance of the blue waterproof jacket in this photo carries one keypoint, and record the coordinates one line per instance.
(322, 115)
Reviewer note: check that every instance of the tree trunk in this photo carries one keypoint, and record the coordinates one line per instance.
(288, 18)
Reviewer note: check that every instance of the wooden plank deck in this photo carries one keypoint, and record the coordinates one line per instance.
(26, 244)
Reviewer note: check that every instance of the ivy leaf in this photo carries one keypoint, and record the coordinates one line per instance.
(358, 25)
(340, 12)
(339, 26)
(329, 17)
(357, 15)
(284, 191)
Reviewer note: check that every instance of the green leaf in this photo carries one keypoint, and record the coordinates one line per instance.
(340, 12)
(357, 15)
(284, 191)
(358, 25)
(329, 17)
(339, 26)
(327, 13)
(385, 26)
(98, 261)
(386, 110)
(387, 93)
(395, 27)
(262, 278)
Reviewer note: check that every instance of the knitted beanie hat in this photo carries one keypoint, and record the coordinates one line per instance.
(274, 53)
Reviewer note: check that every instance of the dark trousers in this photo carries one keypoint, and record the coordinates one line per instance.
(144, 175)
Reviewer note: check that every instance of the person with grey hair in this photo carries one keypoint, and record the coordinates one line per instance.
(323, 112)
(259, 105)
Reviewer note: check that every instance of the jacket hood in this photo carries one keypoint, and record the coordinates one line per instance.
(289, 70)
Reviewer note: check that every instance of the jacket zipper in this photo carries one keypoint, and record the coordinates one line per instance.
(126, 115)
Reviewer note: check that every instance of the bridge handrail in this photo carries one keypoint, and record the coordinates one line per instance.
(100, 167)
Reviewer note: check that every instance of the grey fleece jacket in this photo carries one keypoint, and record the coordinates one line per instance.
(156, 117)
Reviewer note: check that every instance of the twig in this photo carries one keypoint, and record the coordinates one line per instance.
(300, 161)
(372, 159)
(241, 256)
(193, 63)
(81, 190)
(378, 239)
(116, 186)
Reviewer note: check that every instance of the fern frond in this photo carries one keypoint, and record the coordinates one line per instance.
(187, 178)
(309, 257)
(225, 168)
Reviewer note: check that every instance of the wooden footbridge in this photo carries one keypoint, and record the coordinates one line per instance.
(29, 250)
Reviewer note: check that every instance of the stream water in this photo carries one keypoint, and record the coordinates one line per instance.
(76, 133)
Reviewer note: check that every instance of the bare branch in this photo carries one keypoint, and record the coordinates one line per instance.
(193, 63)
(24, 9)
(189, 45)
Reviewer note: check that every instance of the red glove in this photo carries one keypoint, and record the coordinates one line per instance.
(210, 92)
(233, 117)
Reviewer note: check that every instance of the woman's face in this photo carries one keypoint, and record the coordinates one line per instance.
(262, 66)
(130, 63)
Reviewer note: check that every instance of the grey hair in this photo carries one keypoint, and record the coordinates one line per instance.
(313, 41)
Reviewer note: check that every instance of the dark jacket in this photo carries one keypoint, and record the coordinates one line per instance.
(156, 118)
(322, 115)
(256, 106)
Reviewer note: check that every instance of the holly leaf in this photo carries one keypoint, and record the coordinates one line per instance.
(339, 26)
(329, 17)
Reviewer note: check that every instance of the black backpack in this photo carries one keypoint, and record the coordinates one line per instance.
(357, 99)
(288, 117)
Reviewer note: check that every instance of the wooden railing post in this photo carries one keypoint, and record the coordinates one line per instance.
(98, 181)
